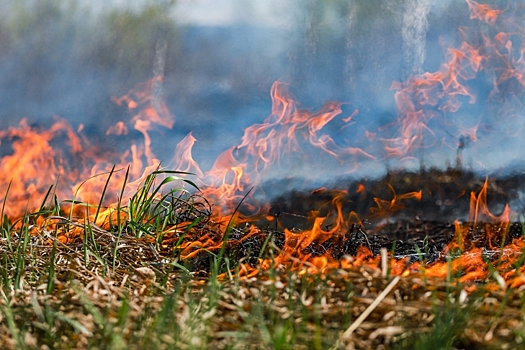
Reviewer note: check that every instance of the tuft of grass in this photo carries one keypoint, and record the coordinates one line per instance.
(150, 211)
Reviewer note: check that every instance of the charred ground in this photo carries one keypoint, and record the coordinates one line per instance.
(415, 228)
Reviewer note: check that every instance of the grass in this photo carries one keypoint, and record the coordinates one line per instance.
(119, 281)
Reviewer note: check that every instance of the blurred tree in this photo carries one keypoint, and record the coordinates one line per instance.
(125, 44)
(338, 37)
(63, 57)
(39, 36)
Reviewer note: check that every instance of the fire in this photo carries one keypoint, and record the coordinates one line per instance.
(151, 111)
(35, 164)
(430, 95)
(183, 158)
(118, 129)
(441, 88)
(289, 132)
(495, 228)
(64, 157)
(483, 12)
(148, 104)
(385, 208)
(228, 178)
(276, 137)
(263, 147)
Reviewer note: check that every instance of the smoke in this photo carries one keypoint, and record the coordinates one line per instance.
(216, 76)
(414, 31)
(158, 71)
(349, 62)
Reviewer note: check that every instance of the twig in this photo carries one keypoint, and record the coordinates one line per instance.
(384, 262)
(348, 333)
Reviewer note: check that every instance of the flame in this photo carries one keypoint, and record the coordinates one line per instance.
(63, 156)
(473, 261)
(429, 95)
(431, 89)
(35, 164)
(149, 105)
(286, 133)
(183, 159)
(119, 128)
(227, 179)
(268, 142)
(150, 111)
(264, 145)
(483, 12)
(386, 208)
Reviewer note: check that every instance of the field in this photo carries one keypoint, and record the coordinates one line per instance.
(121, 280)
(279, 234)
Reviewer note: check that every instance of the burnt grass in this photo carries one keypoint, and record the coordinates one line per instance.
(417, 241)
(445, 197)
(417, 229)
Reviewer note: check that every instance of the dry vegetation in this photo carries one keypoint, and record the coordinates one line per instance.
(74, 284)
(64, 302)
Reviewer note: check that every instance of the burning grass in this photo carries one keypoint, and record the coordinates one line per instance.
(137, 275)
(169, 265)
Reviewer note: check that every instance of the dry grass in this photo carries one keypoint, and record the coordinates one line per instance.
(144, 304)
(73, 284)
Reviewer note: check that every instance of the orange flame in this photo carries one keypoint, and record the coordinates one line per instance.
(268, 142)
(118, 129)
(35, 163)
(473, 261)
(386, 208)
(483, 12)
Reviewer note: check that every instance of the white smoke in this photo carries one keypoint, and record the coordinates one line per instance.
(158, 71)
(414, 31)
(351, 22)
